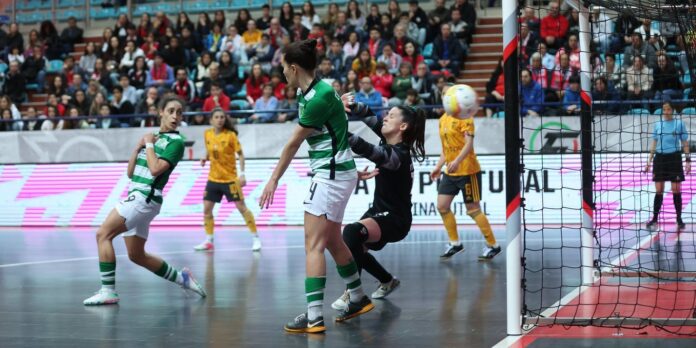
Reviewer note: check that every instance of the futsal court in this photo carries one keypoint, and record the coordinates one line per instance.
(46, 273)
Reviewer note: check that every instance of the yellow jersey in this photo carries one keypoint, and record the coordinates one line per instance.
(222, 154)
(452, 135)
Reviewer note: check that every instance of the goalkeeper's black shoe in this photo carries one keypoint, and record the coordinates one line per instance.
(651, 225)
(681, 225)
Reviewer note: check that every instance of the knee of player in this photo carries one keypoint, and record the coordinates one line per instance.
(443, 209)
(241, 207)
(355, 235)
(102, 235)
(136, 257)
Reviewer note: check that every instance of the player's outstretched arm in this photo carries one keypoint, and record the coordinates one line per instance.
(382, 156)
(363, 112)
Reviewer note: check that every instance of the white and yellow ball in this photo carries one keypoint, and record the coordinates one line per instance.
(460, 101)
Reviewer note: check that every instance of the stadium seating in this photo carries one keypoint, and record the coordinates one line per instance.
(639, 112)
(689, 111)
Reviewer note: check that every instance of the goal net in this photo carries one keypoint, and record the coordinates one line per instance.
(615, 81)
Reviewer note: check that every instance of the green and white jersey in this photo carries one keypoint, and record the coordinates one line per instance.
(321, 108)
(169, 147)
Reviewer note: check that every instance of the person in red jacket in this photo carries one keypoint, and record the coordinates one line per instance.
(554, 27)
(254, 84)
(382, 80)
(217, 99)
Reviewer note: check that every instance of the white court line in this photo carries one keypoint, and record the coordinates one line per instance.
(508, 341)
(31, 263)
(44, 262)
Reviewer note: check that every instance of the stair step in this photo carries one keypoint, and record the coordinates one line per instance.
(488, 38)
(476, 74)
(95, 39)
(489, 29)
(483, 57)
(486, 47)
(482, 65)
(38, 97)
(493, 20)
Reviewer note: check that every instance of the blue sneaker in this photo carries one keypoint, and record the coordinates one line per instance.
(190, 283)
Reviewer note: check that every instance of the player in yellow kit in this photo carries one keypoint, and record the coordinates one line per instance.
(222, 148)
(462, 173)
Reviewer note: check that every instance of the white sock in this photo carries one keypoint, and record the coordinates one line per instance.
(313, 312)
(210, 238)
(356, 294)
(179, 278)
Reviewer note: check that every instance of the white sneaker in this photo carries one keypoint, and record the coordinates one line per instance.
(386, 288)
(490, 252)
(342, 302)
(256, 246)
(205, 246)
(104, 296)
(190, 283)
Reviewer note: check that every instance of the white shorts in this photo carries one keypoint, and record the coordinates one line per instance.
(329, 198)
(138, 214)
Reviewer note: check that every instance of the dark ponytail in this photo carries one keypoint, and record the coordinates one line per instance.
(229, 124)
(414, 135)
(302, 53)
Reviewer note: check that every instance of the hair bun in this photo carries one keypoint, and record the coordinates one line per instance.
(311, 44)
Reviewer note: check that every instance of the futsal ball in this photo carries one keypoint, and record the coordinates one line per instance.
(460, 101)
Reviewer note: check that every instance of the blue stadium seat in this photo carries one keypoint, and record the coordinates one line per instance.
(32, 17)
(639, 112)
(66, 3)
(689, 111)
(195, 7)
(3, 68)
(686, 93)
(686, 79)
(143, 8)
(499, 114)
(619, 59)
(64, 15)
(167, 8)
(32, 87)
(242, 93)
(657, 112)
(257, 4)
(102, 13)
(54, 66)
(428, 50)
(240, 4)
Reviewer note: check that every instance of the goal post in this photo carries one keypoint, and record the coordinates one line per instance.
(583, 255)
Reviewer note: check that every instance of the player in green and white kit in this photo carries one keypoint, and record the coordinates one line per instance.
(323, 123)
(149, 167)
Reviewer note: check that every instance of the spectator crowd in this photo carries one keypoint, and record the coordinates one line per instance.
(635, 64)
(393, 54)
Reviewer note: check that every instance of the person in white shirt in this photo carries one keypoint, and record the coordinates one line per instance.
(131, 52)
(233, 43)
